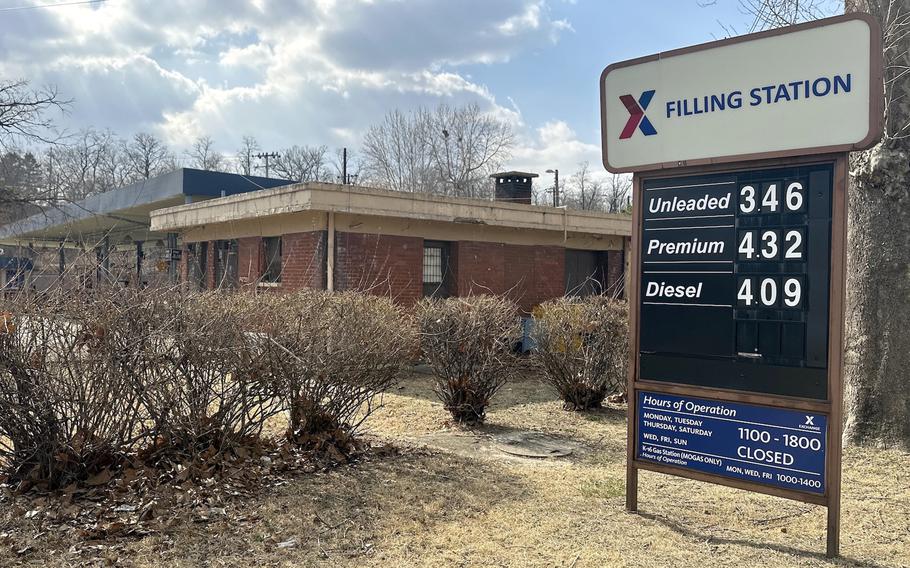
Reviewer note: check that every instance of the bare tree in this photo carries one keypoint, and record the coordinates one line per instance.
(85, 165)
(24, 113)
(466, 146)
(584, 191)
(246, 155)
(768, 14)
(146, 156)
(449, 150)
(24, 119)
(395, 153)
(303, 163)
(114, 165)
(203, 155)
(618, 193)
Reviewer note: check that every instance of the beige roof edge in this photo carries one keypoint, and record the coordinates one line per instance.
(359, 200)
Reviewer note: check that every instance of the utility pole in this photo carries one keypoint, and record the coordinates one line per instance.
(344, 166)
(265, 156)
(555, 173)
(556, 188)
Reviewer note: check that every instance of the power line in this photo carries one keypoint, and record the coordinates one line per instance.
(58, 5)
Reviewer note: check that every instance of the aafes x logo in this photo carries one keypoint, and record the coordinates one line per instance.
(637, 118)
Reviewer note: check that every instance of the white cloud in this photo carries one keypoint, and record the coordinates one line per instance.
(285, 71)
(556, 146)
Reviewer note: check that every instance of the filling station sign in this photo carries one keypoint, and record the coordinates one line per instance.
(737, 285)
(810, 90)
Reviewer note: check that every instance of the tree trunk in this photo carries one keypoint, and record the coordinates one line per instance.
(877, 358)
(877, 362)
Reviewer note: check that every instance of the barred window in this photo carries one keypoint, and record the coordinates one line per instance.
(436, 276)
(432, 265)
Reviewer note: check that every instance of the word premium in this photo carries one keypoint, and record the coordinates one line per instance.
(694, 246)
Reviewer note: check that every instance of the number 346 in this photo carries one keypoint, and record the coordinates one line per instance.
(769, 198)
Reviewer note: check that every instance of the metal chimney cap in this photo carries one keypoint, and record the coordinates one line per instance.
(513, 174)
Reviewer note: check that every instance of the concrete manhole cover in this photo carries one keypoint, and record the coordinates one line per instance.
(531, 445)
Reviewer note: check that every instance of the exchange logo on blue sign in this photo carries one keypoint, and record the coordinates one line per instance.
(772, 446)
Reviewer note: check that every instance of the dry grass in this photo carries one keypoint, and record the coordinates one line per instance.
(434, 507)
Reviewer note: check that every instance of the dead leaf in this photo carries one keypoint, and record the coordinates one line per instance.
(148, 512)
(102, 478)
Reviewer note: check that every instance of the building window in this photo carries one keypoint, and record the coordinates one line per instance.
(272, 247)
(226, 264)
(586, 273)
(197, 264)
(15, 280)
(435, 269)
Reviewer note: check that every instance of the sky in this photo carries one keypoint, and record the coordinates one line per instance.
(322, 71)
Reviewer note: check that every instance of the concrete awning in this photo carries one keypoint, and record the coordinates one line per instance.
(357, 200)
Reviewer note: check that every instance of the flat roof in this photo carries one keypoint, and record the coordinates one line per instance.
(126, 210)
(360, 200)
(514, 173)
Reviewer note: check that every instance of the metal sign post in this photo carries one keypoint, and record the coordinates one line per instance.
(738, 256)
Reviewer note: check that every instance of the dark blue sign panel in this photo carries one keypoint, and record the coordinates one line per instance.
(771, 446)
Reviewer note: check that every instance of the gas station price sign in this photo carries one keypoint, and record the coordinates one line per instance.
(734, 280)
(737, 272)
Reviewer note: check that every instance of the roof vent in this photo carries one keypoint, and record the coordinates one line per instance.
(514, 187)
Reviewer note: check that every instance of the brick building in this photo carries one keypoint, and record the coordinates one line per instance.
(342, 237)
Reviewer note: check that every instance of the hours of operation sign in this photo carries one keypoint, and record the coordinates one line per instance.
(784, 448)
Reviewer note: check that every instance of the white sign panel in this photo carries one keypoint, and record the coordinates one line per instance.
(805, 89)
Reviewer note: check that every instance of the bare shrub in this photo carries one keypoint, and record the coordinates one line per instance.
(468, 343)
(582, 345)
(68, 366)
(87, 383)
(330, 355)
(210, 392)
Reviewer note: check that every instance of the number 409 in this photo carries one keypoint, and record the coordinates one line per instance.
(770, 292)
